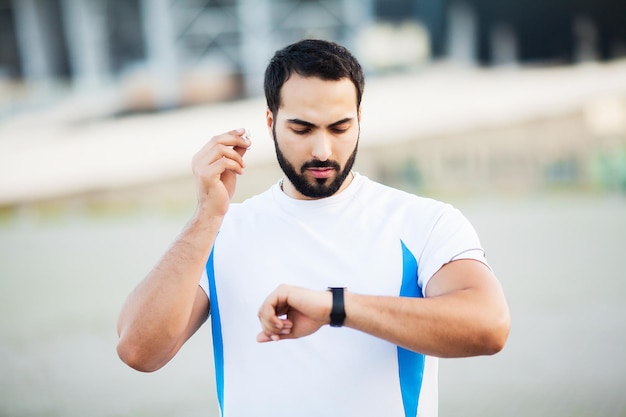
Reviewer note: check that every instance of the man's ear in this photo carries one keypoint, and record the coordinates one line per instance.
(358, 114)
(269, 119)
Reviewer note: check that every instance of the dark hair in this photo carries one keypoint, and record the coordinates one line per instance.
(311, 58)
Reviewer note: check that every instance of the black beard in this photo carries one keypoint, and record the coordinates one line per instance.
(319, 189)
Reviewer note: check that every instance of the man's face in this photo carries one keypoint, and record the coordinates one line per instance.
(316, 133)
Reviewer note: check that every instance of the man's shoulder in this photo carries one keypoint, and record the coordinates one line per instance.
(253, 204)
(386, 194)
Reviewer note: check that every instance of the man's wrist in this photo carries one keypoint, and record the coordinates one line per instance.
(205, 218)
(338, 310)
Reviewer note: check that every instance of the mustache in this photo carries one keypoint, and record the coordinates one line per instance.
(320, 164)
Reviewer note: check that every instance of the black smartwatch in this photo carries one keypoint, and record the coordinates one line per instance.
(338, 311)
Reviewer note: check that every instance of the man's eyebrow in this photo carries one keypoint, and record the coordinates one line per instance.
(301, 122)
(340, 122)
(309, 124)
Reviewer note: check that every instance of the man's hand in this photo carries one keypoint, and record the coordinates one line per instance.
(292, 312)
(215, 167)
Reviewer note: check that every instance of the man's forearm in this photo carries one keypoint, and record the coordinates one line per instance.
(463, 314)
(453, 325)
(154, 321)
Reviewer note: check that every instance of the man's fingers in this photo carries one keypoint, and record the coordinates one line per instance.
(242, 140)
(236, 141)
(216, 153)
(268, 316)
(210, 173)
(274, 335)
(263, 338)
(271, 314)
(245, 136)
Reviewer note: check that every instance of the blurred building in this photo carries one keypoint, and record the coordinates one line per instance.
(69, 67)
(168, 53)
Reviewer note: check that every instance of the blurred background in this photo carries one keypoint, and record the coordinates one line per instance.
(513, 111)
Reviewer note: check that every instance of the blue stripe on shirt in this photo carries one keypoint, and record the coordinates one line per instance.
(410, 364)
(216, 329)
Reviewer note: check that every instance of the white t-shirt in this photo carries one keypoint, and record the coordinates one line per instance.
(369, 238)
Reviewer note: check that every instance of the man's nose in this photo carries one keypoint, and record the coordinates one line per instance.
(322, 148)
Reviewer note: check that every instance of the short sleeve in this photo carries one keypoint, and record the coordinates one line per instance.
(452, 237)
(204, 282)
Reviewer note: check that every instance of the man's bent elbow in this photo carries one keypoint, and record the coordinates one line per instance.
(496, 335)
(136, 358)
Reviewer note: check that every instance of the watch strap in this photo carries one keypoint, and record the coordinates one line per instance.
(338, 311)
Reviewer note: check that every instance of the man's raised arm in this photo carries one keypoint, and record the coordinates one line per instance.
(168, 306)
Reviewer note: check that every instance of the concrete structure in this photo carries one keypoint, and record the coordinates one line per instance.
(171, 41)
(170, 53)
(446, 129)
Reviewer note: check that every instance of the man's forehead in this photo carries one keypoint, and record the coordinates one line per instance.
(317, 101)
(298, 84)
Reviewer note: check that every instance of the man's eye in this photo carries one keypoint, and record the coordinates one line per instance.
(339, 130)
(301, 131)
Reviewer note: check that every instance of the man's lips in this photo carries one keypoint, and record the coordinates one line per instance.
(324, 172)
